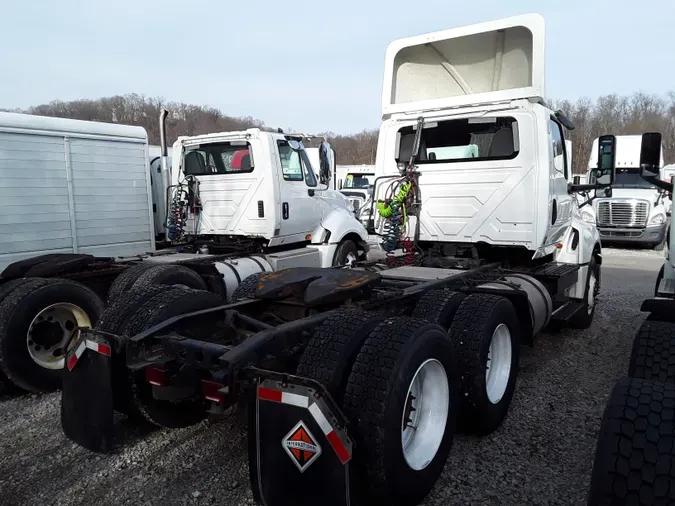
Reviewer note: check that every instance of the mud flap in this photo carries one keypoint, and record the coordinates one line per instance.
(87, 398)
(299, 451)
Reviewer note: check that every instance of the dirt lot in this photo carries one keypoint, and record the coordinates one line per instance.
(541, 455)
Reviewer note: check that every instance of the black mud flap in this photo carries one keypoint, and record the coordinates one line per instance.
(87, 399)
(299, 451)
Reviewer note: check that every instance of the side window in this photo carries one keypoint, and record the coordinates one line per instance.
(310, 177)
(291, 166)
(559, 155)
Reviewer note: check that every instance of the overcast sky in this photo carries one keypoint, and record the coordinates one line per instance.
(311, 65)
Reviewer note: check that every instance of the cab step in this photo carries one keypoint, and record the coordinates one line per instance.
(567, 311)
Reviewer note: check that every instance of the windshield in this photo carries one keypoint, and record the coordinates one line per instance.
(217, 158)
(462, 140)
(359, 180)
(630, 178)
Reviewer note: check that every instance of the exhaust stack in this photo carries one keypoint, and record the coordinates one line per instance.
(166, 173)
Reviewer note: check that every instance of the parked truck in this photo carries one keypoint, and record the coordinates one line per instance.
(353, 379)
(238, 203)
(635, 451)
(357, 185)
(637, 211)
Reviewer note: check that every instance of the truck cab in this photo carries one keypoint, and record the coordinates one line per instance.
(260, 187)
(637, 211)
(494, 175)
(357, 185)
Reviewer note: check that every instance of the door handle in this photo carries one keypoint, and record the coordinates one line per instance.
(284, 210)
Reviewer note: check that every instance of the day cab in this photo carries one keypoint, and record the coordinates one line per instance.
(494, 171)
(262, 186)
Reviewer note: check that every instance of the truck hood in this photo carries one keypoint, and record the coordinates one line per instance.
(635, 193)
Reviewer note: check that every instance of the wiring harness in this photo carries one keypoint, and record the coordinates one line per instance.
(184, 199)
(400, 202)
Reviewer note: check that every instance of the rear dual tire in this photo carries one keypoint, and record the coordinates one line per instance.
(486, 334)
(131, 315)
(370, 365)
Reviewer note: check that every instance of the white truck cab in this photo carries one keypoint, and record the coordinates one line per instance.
(261, 186)
(357, 185)
(493, 166)
(637, 211)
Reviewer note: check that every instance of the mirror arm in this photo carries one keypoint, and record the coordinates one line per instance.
(587, 202)
(576, 188)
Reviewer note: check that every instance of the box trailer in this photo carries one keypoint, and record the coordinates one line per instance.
(71, 186)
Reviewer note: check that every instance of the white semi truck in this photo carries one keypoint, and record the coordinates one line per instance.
(637, 212)
(356, 184)
(354, 379)
(237, 203)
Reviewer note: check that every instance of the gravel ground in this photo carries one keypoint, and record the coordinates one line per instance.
(542, 454)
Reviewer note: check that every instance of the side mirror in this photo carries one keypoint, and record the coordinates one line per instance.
(650, 155)
(340, 184)
(576, 180)
(605, 170)
(325, 162)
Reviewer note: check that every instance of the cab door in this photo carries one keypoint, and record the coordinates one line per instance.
(561, 202)
(300, 201)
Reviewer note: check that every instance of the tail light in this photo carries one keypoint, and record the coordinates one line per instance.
(156, 376)
(212, 390)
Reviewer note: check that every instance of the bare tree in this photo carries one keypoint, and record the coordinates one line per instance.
(609, 114)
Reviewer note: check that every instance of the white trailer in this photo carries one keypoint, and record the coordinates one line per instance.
(72, 186)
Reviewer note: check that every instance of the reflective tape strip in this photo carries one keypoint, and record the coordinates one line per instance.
(294, 399)
(320, 419)
(270, 394)
(103, 349)
(76, 356)
(332, 436)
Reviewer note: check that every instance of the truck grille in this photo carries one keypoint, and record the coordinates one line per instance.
(356, 203)
(622, 213)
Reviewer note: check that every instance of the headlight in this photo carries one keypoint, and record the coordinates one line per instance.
(587, 217)
(657, 220)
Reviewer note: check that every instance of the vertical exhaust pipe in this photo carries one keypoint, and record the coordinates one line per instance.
(166, 174)
(162, 143)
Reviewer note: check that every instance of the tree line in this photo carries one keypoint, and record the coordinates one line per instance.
(608, 114)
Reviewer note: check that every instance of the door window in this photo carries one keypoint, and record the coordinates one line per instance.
(295, 165)
(558, 144)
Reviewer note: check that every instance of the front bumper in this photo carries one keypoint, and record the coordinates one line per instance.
(648, 235)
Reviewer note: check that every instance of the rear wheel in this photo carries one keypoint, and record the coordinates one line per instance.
(402, 397)
(37, 319)
(346, 253)
(114, 320)
(6, 386)
(583, 318)
(126, 280)
(486, 333)
(171, 302)
(332, 349)
(438, 306)
(635, 452)
(247, 288)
